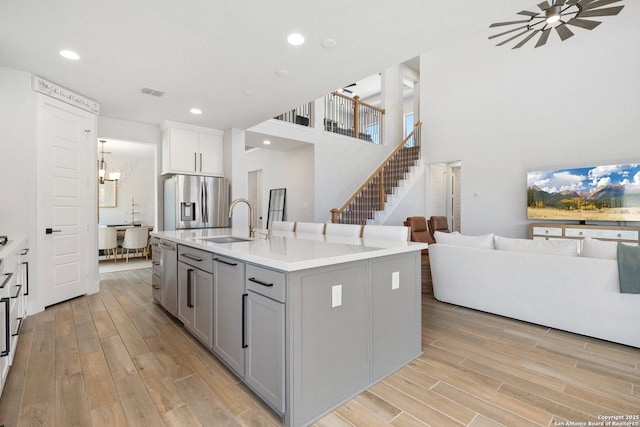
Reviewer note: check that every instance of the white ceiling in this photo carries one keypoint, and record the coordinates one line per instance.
(222, 55)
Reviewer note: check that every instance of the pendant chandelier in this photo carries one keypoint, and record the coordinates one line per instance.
(102, 167)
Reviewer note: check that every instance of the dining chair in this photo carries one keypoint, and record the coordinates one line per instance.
(386, 232)
(108, 241)
(137, 239)
(347, 230)
(282, 225)
(309, 227)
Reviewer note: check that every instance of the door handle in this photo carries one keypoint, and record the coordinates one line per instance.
(189, 288)
(244, 321)
(51, 230)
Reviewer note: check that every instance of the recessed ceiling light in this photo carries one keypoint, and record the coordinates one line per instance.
(196, 111)
(249, 93)
(266, 142)
(69, 54)
(282, 72)
(295, 39)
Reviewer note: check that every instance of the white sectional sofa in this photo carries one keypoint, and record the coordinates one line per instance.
(568, 292)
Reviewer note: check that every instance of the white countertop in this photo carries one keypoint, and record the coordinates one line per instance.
(289, 251)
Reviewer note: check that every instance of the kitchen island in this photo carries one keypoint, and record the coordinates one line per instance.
(306, 321)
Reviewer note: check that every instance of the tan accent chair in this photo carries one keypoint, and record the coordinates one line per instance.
(438, 223)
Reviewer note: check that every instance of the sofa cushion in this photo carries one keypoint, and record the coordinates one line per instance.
(629, 268)
(456, 239)
(551, 247)
(594, 248)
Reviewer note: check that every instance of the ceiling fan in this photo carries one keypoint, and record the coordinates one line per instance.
(344, 89)
(555, 14)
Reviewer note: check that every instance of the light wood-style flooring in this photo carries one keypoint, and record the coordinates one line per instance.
(116, 359)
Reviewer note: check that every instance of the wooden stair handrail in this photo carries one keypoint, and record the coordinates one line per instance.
(336, 212)
(356, 99)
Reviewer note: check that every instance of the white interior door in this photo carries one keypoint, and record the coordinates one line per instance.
(455, 197)
(438, 189)
(66, 201)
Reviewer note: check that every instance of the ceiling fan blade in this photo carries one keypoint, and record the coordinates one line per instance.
(513, 38)
(559, 2)
(563, 32)
(526, 39)
(543, 37)
(507, 32)
(528, 13)
(501, 24)
(544, 5)
(583, 3)
(609, 11)
(598, 3)
(583, 23)
(572, 2)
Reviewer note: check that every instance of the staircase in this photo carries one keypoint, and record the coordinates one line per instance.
(368, 203)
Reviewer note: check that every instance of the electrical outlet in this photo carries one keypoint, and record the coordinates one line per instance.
(395, 280)
(336, 296)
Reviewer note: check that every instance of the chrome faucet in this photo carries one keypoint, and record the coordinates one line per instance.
(235, 202)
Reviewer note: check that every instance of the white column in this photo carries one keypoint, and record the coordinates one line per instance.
(393, 105)
(236, 172)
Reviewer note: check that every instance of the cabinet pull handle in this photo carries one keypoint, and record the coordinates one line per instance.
(7, 277)
(189, 290)
(7, 344)
(17, 292)
(19, 327)
(254, 280)
(192, 257)
(200, 162)
(26, 276)
(244, 322)
(156, 287)
(195, 162)
(233, 264)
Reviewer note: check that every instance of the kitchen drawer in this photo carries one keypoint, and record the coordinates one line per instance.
(600, 233)
(200, 259)
(547, 231)
(266, 282)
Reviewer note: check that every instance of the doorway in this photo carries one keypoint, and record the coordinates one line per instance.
(445, 181)
(255, 196)
(130, 188)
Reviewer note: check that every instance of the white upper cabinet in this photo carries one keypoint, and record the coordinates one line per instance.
(192, 150)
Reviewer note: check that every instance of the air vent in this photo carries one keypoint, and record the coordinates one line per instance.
(153, 92)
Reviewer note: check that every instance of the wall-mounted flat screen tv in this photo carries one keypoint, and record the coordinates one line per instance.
(598, 193)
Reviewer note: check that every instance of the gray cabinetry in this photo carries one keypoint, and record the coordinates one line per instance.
(395, 306)
(229, 311)
(195, 292)
(331, 305)
(265, 323)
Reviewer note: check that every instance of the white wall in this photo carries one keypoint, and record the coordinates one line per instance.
(293, 170)
(504, 112)
(17, 154)
(137, 181)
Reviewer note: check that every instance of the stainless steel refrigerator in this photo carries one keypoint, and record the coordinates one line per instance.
(195, 202)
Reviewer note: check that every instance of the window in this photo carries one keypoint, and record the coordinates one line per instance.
(408, 124)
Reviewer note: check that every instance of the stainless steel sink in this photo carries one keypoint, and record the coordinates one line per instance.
(225, 239)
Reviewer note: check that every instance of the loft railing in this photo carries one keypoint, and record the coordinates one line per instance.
(349, 116)
(302, 115)
(371, 195)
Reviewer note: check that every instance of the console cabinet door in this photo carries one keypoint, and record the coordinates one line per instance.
(265, 351)
(228, 311)
(195, 301)
(186, 308)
